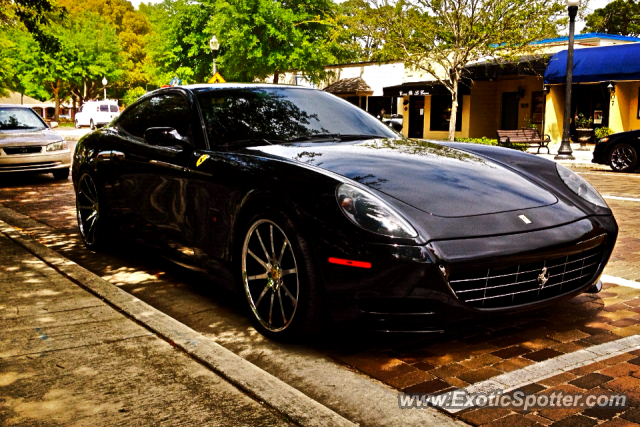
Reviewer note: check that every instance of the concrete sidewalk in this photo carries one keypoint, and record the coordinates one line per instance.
(582, 156)
(67, 358)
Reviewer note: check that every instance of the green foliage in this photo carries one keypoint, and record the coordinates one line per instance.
(261, 38)
(603, 131)
(179, 44)
(132, 95)
(132, 28)
(20, 56)
(618, 17)
(583, 122)
(34, 16)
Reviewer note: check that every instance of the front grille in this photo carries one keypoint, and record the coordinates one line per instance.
(28, 166)
(22, 150)
(497, 287)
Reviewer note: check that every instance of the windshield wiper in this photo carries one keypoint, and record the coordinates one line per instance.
(253, 141)
(335, 137)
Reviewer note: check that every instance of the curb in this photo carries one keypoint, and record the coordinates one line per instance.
(285, 399)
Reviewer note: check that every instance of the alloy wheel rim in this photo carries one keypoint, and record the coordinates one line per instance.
(88, 209)
(622, 157)
(270, 273)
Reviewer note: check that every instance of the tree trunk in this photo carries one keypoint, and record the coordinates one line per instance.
(454, 108)
(56, 95)
(73, 108)
(275, 78)
(22, 97)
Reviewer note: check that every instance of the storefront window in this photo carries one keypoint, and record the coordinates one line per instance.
(441, 113)
(537, 107)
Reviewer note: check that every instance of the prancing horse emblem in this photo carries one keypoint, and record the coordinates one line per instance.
(543, 277)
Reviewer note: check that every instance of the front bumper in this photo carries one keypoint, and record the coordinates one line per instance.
(37, 162)
(408, 288)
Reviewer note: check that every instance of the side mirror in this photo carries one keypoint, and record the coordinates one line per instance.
(164, 137)
(395, 126)
(53, 125)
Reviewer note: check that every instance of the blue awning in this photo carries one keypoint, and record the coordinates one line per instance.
(596, 64)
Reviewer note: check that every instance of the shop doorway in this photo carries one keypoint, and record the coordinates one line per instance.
(510, 101)
(416, 117)
(591, 101)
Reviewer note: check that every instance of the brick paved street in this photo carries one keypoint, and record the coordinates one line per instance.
(469, 354)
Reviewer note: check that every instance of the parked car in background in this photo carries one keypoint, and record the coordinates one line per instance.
(618, 150)
(96, 113)
(394, 122)
(27, 143)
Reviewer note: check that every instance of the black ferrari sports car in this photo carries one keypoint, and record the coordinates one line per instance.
(317, 211)
(618, 150)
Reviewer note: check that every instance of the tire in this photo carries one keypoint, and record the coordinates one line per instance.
(92, 125)
(61, 174)
(623, 158)
(92, 221)
(77, 124)
(275, 269)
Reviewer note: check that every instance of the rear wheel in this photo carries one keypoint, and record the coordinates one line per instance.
(61, 173)
(282, 293)
(77, 124)
(623, 158)
(92, 125)
(91, 221)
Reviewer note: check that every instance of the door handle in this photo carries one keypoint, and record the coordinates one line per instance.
(117, 155)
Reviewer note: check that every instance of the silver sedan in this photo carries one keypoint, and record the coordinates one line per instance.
(27, 144)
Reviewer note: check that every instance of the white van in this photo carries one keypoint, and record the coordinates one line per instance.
(96, 113)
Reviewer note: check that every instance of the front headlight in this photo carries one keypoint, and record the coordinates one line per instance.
(369, 212)
(580, 186)
(62, 145)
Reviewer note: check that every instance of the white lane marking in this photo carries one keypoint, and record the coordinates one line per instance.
(620, 281)
(631, 199)
(551, 367)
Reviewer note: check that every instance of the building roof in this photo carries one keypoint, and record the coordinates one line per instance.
(14, 98)
(589, 36)
(355, 85)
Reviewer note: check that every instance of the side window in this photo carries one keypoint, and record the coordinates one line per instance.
(133, 119)
(113, 108)
(104, 108)
(171, 110)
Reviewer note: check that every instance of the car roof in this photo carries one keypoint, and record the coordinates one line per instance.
(202, 87)
(15, 106)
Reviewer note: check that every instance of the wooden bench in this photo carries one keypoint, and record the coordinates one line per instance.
(527, 136)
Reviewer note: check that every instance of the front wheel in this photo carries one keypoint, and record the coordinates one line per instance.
(91, 219)
(277, 278)
(623, 158)
(77, 124)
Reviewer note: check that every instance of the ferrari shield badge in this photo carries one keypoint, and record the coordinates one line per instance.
(202, 159)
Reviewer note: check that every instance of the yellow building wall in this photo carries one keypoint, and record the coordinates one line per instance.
(554, 113)
(620, 106)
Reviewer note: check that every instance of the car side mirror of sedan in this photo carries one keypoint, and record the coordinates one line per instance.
(164, 137)
(53, 125)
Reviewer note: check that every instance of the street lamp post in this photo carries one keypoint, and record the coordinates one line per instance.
(214, 45)
(565, 152)
(104, 84)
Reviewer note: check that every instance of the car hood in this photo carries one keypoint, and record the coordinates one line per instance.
(25, 137)
(436, 179)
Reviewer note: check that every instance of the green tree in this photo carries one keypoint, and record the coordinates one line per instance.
(19, 58)
(34, 15)
(618, 17)
(441, 37)
(179, 44)
(132, 28)
(132, 94)
(261, 38)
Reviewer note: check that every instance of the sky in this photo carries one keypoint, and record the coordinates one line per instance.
(593, 4)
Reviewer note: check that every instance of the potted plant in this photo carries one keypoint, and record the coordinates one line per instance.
(584, 131)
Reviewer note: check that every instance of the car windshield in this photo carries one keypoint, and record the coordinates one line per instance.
(19, 118)
(283, 114)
